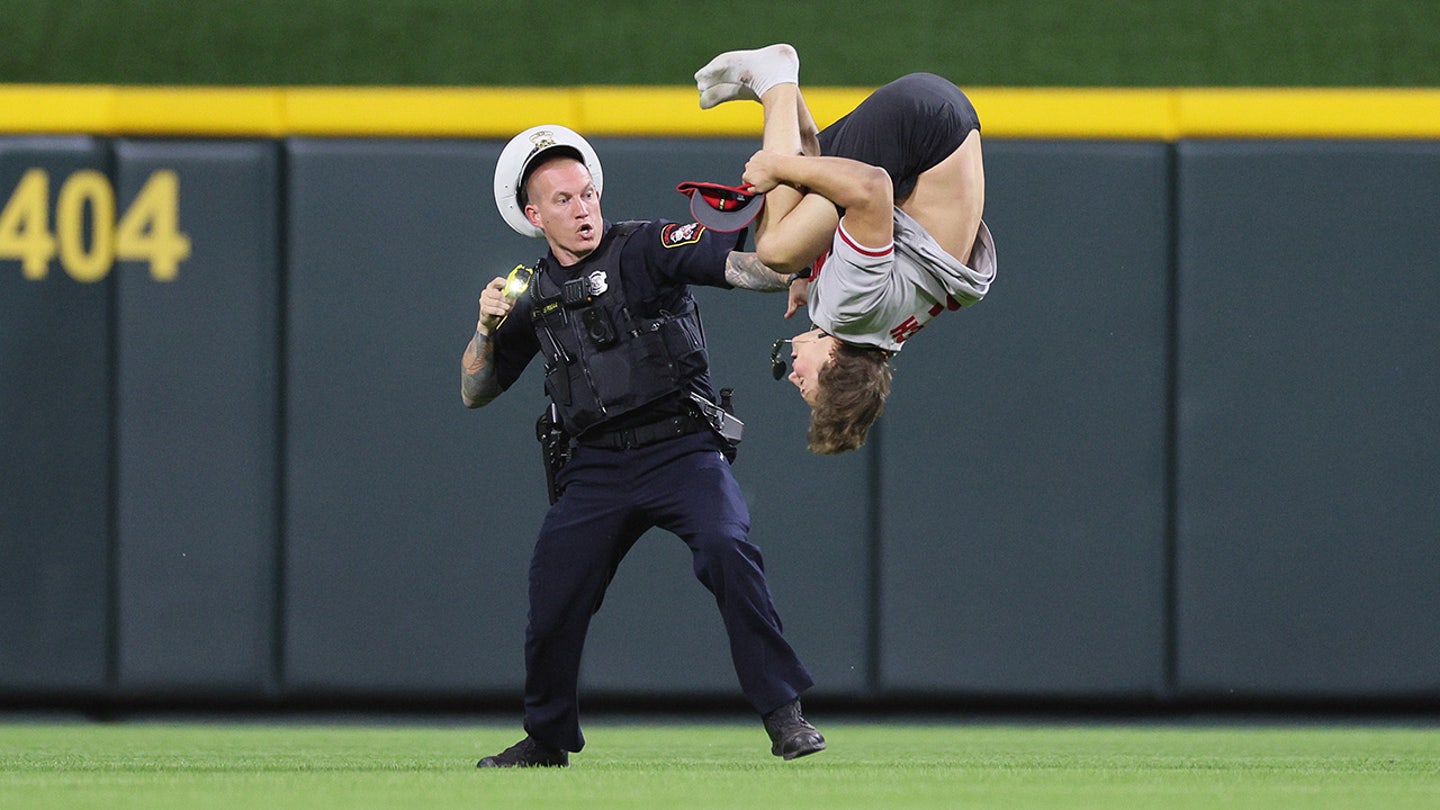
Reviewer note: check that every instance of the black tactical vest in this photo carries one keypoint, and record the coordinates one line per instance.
(605, 356)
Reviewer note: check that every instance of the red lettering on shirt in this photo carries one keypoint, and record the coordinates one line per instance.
(910, 326)
(905, 330)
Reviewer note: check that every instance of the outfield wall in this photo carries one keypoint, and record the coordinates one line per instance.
(1186, 450)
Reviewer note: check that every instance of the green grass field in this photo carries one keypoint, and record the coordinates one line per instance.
(653, 765)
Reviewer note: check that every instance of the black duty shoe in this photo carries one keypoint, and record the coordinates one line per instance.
(528, 753)
(792, 736)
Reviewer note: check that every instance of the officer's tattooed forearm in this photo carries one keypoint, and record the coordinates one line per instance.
(478, 385)
(746, 271)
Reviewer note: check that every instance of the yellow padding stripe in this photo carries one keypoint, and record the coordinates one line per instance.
(1165, 114)
(1310, 113)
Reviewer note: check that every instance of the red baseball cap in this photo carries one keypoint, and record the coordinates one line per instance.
(722, 208)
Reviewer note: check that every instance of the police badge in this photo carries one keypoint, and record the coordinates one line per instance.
(599, 282)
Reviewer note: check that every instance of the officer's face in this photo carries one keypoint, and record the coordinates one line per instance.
(566, 206)
(809, 352)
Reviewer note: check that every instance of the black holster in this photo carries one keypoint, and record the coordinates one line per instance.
(555, 448)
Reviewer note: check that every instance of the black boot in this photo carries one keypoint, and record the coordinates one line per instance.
(790, 734)
(528, 753)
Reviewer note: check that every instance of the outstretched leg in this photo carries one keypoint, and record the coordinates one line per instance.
(582, 540)
(696, 497)
(795, 227)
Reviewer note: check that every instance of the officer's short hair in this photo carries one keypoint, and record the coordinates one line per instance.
(853, 387)
(522, 191)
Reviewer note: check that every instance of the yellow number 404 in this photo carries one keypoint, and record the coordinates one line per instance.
(149, 230)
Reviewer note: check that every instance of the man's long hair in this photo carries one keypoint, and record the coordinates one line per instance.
(853, 388)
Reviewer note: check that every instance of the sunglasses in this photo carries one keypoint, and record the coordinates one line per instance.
(777, 365)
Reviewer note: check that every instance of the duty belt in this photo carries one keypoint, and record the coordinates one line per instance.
(647, 434)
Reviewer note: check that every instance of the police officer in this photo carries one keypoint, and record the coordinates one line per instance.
(609, 310)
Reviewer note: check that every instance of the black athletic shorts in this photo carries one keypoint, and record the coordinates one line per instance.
(905, 127)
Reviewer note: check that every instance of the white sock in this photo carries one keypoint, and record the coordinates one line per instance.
(717, 94)
(759, 70)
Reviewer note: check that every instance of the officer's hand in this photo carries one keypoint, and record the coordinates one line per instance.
(494, 306)
(799, 295)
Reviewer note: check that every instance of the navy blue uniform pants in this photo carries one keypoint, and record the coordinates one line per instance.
(611, 497)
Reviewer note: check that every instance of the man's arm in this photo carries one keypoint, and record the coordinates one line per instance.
(478, 383)
(864, 191)
(746, 271)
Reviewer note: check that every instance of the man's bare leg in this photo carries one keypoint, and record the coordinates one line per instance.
(809, 132)
(771, 76)
(782, 135)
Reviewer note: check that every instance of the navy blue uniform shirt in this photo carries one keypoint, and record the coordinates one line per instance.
(657, 264)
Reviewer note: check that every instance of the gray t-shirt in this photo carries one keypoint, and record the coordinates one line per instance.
(881, 297)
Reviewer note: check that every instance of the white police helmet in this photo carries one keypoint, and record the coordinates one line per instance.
(521, 153)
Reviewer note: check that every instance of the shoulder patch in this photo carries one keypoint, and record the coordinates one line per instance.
(676, 235)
